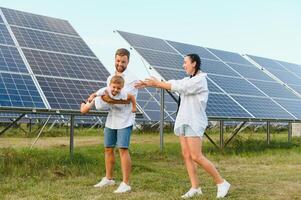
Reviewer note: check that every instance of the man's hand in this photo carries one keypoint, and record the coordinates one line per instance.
(107, 98)
(91, 97)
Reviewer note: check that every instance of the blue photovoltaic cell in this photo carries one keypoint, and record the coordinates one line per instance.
(169, 74)
(250, 72)
(217, 67)
(54, 64)
(1, 20)
(266, 63)
(291, 67)
(212, 87)
(274, 89)
(155, 58)
(293, 106)
(5, 37)
(67, 93)
(286, 77)
(51, 41)
(227, 56)
(235, 85)
(297, 88)
(185, 49)
(146, 42)
(263, 108)
(170, 104)
(220, 105)
(29, 20)
(10, 60)
(19, 91)
(150, 105)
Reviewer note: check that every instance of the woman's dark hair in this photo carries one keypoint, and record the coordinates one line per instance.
(195, 58)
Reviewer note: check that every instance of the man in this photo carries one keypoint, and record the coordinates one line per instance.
(119, 124)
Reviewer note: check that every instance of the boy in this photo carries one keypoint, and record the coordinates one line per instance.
(114, 91)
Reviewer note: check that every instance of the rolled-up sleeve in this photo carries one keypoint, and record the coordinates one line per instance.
(189, 86)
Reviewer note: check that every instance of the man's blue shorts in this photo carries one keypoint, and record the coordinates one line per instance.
(117, 137)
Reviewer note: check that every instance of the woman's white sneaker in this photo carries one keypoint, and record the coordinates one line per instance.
(222, 189)
(123, 187)
(104, 182)
(192, 192)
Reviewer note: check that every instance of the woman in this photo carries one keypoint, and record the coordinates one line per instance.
(191, 122)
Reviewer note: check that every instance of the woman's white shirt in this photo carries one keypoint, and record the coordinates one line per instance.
(194, 96)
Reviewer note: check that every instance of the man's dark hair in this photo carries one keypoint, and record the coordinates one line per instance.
(122, 52)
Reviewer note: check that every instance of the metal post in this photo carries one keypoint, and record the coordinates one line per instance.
(289, 132)
(161, 118)
(268, 133)
(221, 136)
(30, 125)
(71, 136)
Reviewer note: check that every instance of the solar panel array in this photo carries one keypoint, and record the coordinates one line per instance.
(238, 89)
(287, 73)
(44, 63)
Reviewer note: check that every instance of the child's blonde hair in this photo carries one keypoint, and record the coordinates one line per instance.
(117, 80)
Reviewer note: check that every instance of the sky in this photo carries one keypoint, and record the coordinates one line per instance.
(267, 28)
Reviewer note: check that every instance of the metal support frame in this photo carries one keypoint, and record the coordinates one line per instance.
(162, 118)
(268, 133)
(235, 132)
(13, 123)
(290, 131)
(72, 136)
(221, 135)
(41, 130)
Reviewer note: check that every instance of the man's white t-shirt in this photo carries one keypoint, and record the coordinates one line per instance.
(120, 115)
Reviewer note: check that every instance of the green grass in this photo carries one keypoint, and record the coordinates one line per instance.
(256, 170)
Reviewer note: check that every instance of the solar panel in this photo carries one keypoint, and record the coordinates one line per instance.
(17, 90)
(185, 49)
(50, 41)
(146, 42)
(10, 60)
(250, 72)
(162, 59)
(5, 38)
(30, 20)
(228, 70)
(217, 67)
(1, 20)
(274, 89)
(67, 93)
(55, 64)
(262, 107)
(235, 85)
(54, 61)
(231, 57)
(222, 106)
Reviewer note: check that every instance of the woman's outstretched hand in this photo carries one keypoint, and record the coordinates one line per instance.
(148, 82)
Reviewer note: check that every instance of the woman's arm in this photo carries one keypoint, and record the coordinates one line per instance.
(153, 82)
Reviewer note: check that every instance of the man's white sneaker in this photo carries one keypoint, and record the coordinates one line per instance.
(123, 187)
(104, 182)
(222, 189)
(192, 192)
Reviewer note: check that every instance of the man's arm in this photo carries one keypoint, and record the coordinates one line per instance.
(108, 99)
(132, 99)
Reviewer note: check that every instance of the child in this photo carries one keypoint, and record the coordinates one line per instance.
(114, 91)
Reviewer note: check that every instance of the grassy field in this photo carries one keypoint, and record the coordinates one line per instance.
(255, 170)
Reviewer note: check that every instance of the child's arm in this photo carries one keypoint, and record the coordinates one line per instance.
(132, 99)
(86, 106)
(92, 96)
